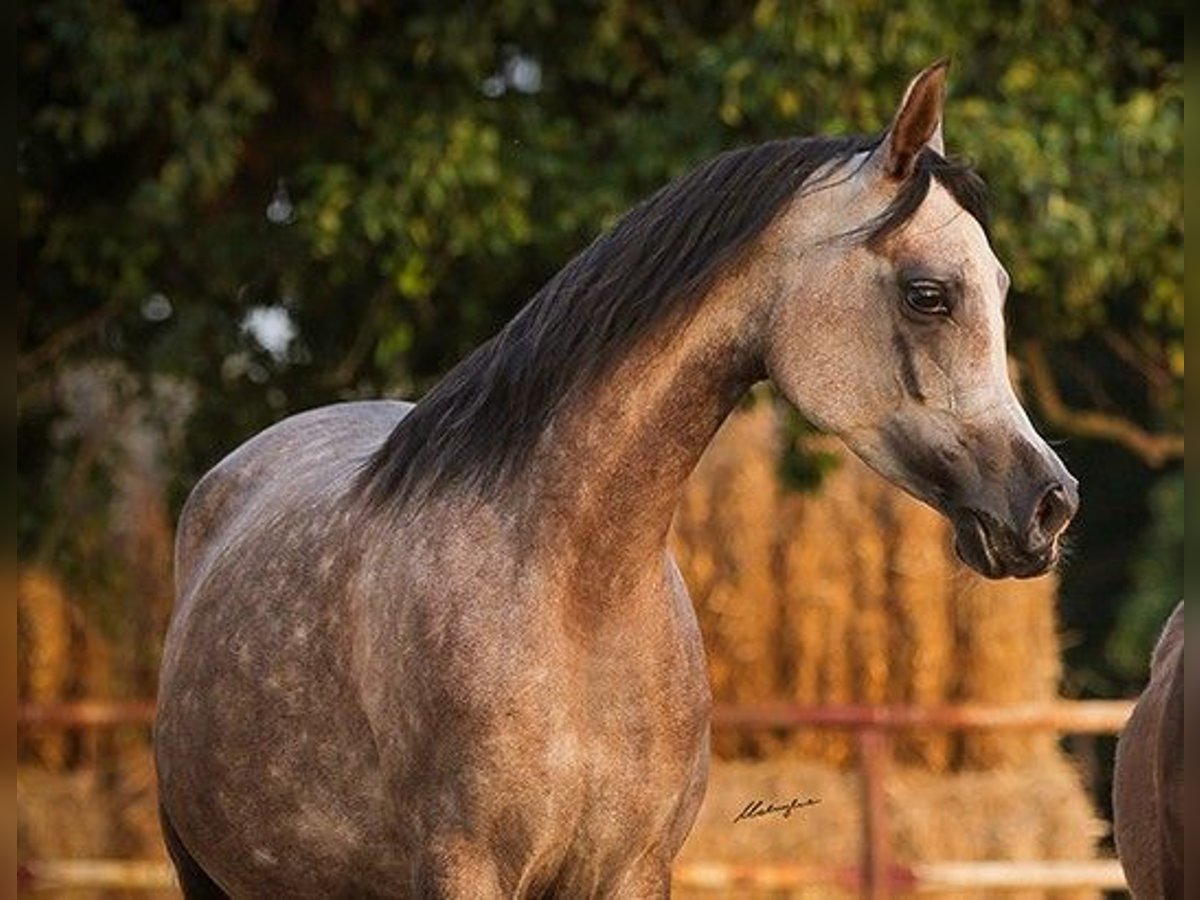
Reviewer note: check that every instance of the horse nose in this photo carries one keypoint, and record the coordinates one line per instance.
(1053, 512)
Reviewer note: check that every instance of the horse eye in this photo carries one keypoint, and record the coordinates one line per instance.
(927, 297)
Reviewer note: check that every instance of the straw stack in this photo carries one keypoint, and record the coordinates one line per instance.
(60, 656)
(1037, 812)
(725, 552)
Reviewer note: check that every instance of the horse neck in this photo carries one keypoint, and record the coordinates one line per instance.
(613, 464)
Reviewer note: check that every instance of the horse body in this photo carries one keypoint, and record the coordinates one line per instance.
(530, 728)
(443, 650)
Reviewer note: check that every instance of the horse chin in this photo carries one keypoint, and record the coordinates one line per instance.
(983, 544)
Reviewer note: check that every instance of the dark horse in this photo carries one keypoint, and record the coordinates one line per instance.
(1148, 796)
(442, 650)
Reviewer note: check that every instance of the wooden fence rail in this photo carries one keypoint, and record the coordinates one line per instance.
(930, 877)
(86, 714)
(924, 878)
(878, 874)
(1064, 716)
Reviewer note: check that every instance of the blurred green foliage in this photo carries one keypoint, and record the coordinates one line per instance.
(1157, 583)
(401, 177)
(801, 467)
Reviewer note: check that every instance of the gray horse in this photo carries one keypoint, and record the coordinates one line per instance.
(442, 649)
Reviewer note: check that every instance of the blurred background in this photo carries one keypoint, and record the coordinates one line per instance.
(231, 211)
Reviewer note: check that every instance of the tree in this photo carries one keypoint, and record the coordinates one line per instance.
(387, 183)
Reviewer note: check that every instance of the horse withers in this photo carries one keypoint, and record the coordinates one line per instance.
(442, 649)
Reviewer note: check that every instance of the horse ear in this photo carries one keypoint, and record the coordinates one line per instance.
(917, 124)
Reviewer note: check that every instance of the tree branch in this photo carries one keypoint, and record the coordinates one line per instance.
(1156, 371)
(364, 340)
(1155, 449)
(49, 349)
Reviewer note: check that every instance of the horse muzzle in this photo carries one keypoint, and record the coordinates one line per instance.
(997, 549)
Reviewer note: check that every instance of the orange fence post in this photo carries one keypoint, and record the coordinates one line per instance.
(876, 863)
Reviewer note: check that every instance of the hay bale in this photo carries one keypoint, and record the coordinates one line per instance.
(1034, 812)
(923, 639)
(825, 834)
(852, 594)
(62, 815)
(1007, 653)
(60, 657)
(724, 544)
(819, 589)
(44, 623)
(96, 812)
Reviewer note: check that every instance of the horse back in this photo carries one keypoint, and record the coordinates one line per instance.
(318, 450)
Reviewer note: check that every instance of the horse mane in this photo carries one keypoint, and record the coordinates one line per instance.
(480, 423)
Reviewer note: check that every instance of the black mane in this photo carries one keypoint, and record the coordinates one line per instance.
(480, 423)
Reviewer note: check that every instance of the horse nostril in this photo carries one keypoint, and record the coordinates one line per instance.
(1054, 511)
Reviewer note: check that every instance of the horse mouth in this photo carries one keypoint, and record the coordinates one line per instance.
(992, 550)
